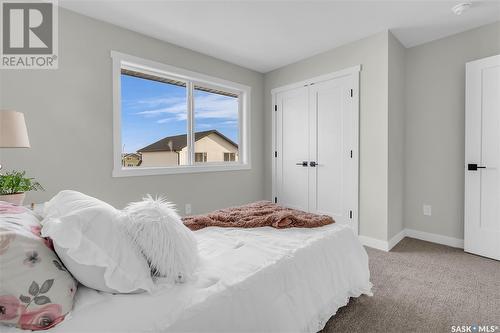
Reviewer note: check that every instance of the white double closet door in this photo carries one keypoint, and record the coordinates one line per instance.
(316, 141)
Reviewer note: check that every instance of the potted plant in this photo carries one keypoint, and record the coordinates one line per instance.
(14, 184)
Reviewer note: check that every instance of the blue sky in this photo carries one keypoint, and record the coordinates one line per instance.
(153, 110)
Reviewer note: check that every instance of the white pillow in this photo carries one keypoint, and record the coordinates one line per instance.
(167, 243)
(90, 238)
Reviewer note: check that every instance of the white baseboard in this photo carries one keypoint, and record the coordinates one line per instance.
(435, 238)
(422, 235)
(396, 239)
(374, 243)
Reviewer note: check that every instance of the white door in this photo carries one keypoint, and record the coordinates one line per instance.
(482, 158)
(332, 187)
(292, 145)
(316, 138)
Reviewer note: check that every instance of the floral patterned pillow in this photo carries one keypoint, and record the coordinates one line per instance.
(36, 291)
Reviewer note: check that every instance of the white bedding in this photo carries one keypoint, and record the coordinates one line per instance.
(259, 280)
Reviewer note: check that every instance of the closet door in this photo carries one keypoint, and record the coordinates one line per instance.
(292, 145)
(332, 136)
(315, 128)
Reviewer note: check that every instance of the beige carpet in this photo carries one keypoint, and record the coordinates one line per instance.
(424, 287)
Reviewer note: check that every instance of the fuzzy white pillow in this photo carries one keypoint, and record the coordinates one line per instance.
(168, 245)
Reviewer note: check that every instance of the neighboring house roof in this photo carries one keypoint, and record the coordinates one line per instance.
(178, 142)
(131, 155)
(136, 155)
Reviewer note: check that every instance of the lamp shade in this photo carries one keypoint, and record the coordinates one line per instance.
(13, 132)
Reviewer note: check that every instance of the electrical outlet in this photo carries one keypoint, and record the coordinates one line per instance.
(427, 210)
(187, 209)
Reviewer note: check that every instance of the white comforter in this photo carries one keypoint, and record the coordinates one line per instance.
(259, 280)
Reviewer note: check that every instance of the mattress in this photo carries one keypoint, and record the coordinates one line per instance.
(258, 280)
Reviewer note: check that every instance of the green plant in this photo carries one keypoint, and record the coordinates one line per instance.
(15, 182)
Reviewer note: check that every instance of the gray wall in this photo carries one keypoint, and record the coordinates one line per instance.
(396, 111)
(69, 115)
(434, 148)
(406, 158)
(371, 53)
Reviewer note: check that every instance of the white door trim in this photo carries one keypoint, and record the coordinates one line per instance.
(355, 72)
(316, 79)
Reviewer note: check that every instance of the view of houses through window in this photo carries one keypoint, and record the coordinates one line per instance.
(155, 122)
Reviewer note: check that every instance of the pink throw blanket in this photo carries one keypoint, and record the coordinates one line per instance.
(257, 214)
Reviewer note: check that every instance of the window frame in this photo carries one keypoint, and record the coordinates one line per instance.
(229, 155)
(204, 157)
(121, 60)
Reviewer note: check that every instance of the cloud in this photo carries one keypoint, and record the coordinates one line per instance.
(216, 106)
(164, 120)
(207, 106)
(230, 123)
(178, 110)
(154, 102)
(204, 125)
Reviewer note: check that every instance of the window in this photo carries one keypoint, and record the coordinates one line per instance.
(200, 157)
(176, 121)
(154, 118)
(229, 157)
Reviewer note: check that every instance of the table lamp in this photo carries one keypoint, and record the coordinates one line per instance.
(13, 132)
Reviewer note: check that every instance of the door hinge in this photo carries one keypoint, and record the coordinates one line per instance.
(275, 199)
(351, 153)
(350, 214)
(276, 108)
(352, 92)
(275, 154)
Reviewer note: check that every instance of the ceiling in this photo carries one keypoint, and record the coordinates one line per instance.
(265, 35)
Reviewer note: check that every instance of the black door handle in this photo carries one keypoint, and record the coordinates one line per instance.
(312, 164)
(303, 163)
(474, 167)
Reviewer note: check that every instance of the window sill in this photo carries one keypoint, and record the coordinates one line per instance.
(154, 171)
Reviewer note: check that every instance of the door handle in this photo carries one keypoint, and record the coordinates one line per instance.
(303, 163)
(312, 164)
(474, 167)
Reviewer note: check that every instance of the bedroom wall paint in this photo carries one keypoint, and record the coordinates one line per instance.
(396, 164)
(372, 54)
(69, 116)
(435, 108)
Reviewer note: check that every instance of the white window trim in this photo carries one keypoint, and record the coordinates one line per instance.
(244, 92)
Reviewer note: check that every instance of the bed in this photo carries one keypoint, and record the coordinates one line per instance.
(259, 280)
